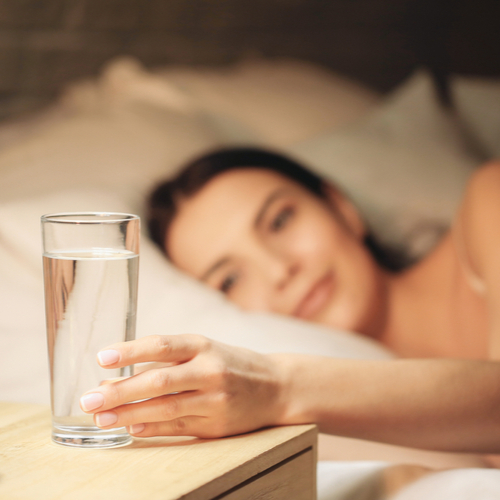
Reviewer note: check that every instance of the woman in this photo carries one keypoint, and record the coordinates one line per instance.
(273, 237)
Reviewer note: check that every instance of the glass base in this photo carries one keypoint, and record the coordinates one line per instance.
(90, 437)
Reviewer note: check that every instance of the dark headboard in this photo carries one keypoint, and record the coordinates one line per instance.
(46, 43)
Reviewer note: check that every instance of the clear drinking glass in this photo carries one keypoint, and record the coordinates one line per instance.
(90, 264)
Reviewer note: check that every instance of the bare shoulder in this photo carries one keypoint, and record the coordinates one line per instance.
(479, 219)
(485, 180)
(479, 216)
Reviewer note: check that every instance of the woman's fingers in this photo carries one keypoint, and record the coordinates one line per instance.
(187, 414)
(208, 390)
(171, 415)
(160, 348)
(163, 408)
(145, 385)
(184, 426)
(139, 368)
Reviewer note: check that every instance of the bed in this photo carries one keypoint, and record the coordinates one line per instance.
(108, 140)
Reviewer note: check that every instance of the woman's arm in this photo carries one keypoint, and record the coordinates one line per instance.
(439, 404)
(216, 390)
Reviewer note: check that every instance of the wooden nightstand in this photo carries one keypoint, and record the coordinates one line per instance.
(277, 463)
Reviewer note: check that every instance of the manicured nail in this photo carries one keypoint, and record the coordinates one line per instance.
(136, 428)
(92, 401)
(106, 418)
(108, 357)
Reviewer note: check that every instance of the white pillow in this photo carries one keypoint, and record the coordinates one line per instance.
(130, 128)
(169, 302)
(404, 165)
(282, 101)
(124, 149)
(277, 102)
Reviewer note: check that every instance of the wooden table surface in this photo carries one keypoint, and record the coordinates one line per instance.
(271, 463)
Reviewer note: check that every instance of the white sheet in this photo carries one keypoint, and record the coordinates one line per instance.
(350, 480)
(457, 484)
(363, 480)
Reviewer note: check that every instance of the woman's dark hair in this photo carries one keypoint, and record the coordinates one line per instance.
(164, 201)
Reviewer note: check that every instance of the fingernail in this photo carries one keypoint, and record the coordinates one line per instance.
(108, 357)
(136, 428)
(92, 401)
(106, 418)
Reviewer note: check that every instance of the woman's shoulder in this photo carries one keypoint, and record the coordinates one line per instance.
(478, 219)
(480, 210)
(484, 182)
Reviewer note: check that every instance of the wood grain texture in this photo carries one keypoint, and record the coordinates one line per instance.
(31, 466)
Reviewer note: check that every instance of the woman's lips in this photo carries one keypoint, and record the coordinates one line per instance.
(316, 298)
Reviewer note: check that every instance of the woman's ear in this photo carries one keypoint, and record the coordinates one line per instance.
(346, 210)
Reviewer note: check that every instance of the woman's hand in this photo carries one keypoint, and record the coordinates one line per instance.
(213, 390)
(208, 390)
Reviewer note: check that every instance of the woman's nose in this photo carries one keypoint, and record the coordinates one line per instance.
(281, 270)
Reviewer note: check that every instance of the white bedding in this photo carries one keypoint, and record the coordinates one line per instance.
(365, 481)
(111, 139)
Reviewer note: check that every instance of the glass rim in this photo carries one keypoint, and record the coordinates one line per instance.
(73, 217)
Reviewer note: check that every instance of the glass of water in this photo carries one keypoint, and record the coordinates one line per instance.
(90, 264)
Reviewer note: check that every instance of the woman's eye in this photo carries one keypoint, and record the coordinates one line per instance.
(228, 283)
(280, 221)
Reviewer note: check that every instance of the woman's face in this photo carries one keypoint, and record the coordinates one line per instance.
(271, 245)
